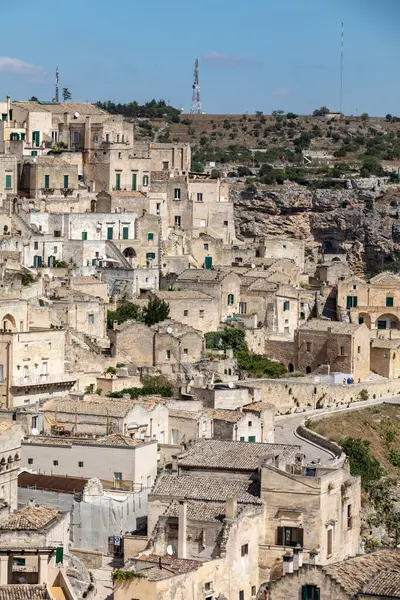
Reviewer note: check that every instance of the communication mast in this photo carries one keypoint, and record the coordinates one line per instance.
(196, 103)
(57, 98)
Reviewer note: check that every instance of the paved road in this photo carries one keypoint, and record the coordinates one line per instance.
(286, 425)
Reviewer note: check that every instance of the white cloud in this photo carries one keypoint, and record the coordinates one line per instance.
(20, 67)
(229, 61)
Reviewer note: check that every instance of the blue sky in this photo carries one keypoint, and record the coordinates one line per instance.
(254, 55)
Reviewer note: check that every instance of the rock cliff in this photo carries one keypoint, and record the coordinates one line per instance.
(362, 221)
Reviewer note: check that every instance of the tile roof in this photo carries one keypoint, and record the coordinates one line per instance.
(52, 483)
(356, 573)
(113, 407)
(386, 583)
(204, 275)
(207, 488)
(115, 439)
(182, 295)
(199, 511)
(176, 413)
(336, 326)
(231, 416)
(227, 455)
(23, 592)
(174, 566)
(258, 407)
(30, 518)
(386, 343)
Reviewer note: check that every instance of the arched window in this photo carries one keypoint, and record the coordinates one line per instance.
(145, 180)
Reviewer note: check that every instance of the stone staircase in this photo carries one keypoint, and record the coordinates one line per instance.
(113, 252)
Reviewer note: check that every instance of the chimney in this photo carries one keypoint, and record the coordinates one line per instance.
(66, 119)
(231, 508)
(8, 108)
(174, 460)
(87, 133)
(182, 529)
(288, 564)
(297, 558)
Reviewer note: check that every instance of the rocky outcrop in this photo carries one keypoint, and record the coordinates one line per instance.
(362, 222)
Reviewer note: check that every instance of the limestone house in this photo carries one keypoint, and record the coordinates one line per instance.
(192, 308)
(216, 283)
(373, 576)
(8, 173)
(189, 425)
(344, 347)
(167, 345)
(49, 175)
(143, 418)
(375, 303)
(10, 461)
(225, 396)
(92, 286)
(252, 423)
(385, 357)
(31, 359)
(114, 457)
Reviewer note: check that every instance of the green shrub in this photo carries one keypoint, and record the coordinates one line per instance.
(226, 338)
(361, 460)
(257, 365)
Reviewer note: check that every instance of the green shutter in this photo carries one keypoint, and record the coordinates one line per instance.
(150, 236)
(304, 594)
(252, 438)
(23, 137)
(110, 233)
(317, 593)
(355, 301)
(349, 301)
(84, 235)
(241, 439)
(208, 262)
(37, 261)
(66, 178)
(59, 555)
(118, 181)
(47, 181)
(134, 181)
(8, 182)
(125, 233)
(4, 117)
(389, 301)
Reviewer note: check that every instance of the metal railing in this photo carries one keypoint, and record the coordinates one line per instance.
(43, 379)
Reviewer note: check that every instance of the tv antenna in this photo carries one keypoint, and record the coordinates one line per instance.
(341, 67)
(57, 98)
(196, 103)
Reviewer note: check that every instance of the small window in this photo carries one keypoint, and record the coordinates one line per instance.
(118, 476)
(244, 550)
(358, 349)
(117, 138)
(341, 350)
(76, 137)
(231, 299)
(18, 561)
(26, 348)
(250, 423)
(30, 461)
(354, 287)
(185, 352)
(241, 595)
(242, 308)
(150, 236)
(360, 320)
(107, 137)
(119, 154)
(96, 139)
(55, 250)
(208, 586)
(186, 313)
(309, 346)
(199, 197)
(150, 255)
(80, 464)
(286, 305)
(90, 318)
(206, 247)
(253, 590)
(389, 301)
(351, 301)
(57, 233)
(241, 439)
(349, 517)
(201, 313)
(177, 220)
(36, 245)
(225, 223)
(8, 182)
(165, 165)
(177, 194)
(310, 592)
(168, 355)
(145, 180)
(66, 181)
(55, 463)
(329, 542)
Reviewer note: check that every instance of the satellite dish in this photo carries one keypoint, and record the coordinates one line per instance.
(169, 329)
(253, 266)
(76, 115)
(35, 431)
(171, 550)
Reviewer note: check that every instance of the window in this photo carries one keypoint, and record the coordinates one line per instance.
(310, 592)
(26, 348)
(177, 194)
(241, 439)
(242, 308)
(231, 299)
(110, 233)
(241, 595)
(119, 154)
(75, 137)
(177, 221)
(150, 255)
(80, 464)
(329, 542)
(8, 182)
(55, 249)
(244, 550)
(250, 424)
(286, 305)
(90, 318)
(201, 313)
(158, 207)
(125, 233)
(199, 197)
(360, 320)
(84, 235)
(168, 355)
(341, 350)
(289, 536)
(358, 349)
(30, 461)
(26, 373)
(66, 181)
(118, 181)
(225, 223)
(185, 313)
(206, 247)
(36, 245)
(165, 165)
(55, 463)
(107, 138)
(118, 476)
(44, 368)
(351, 302)
(18, 561)
(150, 236)
(185, 352)
(57, 233)
(389, 301)
(134, 181)
(252, 438)
(117, 138)
(393, 325)
(309, 346)
(208, 586)
(96, 139)
(145, 180)
(349, 517)
(381, 324)
(253, 590)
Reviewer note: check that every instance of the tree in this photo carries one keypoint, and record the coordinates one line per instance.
(227, 338)
(125, 312)
(156, 310)
(215, 174)
(388, 117)
(244, 171)
(291, 115)
(371, 166)
(258, 365)
(321, 112)
(33, 99)
(66, 94)
(303, 141)
(364, 117)
(197, 167)
(361, 460)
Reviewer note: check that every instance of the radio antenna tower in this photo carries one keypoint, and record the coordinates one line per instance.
(341, 68)
(57, 98)
(196, 103)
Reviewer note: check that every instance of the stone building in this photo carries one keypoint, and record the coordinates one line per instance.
(192, 308)
(8, 175)
(252, 423)
(385, 358)
(344, 347)
(49, 175)
(375, 303)
(189, 425)
(10, 461)
(372, 576)
(224, 285)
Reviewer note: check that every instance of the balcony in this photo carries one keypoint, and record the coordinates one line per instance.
(60, 380)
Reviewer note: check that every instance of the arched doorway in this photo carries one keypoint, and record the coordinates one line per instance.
(387, 321)
(291, 368)
(93, 205)
(8, 323)
(14, 137)
(130, 254)
(364, 318)
(308, 370)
